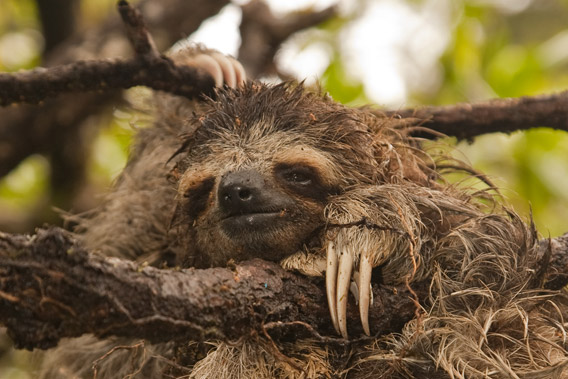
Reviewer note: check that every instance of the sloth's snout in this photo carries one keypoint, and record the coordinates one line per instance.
(241, 192)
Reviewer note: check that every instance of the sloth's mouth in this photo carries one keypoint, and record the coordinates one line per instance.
(253, 220)
(255, 216)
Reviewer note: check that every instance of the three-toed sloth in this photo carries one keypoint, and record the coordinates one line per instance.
(288, 175)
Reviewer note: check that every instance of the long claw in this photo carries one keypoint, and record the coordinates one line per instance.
(239, 71)
(227, 68)
(210, 65)
(331, 283)
(343, 282)
(365, 272)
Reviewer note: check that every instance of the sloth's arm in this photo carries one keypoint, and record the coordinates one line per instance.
(393, 226)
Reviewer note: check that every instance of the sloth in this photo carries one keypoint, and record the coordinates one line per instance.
(285, 174)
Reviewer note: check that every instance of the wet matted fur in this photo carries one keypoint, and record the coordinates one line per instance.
(487, 314)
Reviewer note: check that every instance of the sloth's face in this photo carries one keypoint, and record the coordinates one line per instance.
(261, 165)
(242, 203)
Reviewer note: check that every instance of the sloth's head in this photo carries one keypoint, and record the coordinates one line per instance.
(260, 166)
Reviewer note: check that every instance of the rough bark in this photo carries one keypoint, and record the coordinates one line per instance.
(466, 121)
(51, 288)
(155, 72)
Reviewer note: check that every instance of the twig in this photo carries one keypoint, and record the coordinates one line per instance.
(136, 30)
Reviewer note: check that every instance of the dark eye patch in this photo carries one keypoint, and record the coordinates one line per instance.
(302, 179)
(298, 175)
(197, 197)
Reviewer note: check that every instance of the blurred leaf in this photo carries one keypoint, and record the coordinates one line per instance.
(342, 89)
(26, 184)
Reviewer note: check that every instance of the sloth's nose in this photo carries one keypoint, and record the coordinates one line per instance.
(240, 192)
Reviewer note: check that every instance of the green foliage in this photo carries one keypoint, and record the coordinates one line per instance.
(533, 164)
(25, 185)
(336, 82)
(110, 149)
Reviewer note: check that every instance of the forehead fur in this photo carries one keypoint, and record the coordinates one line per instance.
(279, 117)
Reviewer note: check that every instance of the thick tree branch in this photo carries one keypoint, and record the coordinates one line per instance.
(51, 288)
(466, 121)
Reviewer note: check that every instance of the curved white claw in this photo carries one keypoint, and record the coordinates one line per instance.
(331, 283)
(222, 68)
(211, 65)
(365, 272)
(343, 282)
(241, 75)
(229, 74)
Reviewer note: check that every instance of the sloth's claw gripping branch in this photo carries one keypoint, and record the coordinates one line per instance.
(341, 257)
(343, 284)
(224, 69)
(352, 252)
(331, 282)
(365, 272)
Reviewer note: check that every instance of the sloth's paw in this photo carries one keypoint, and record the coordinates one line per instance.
(224, 69)
(351, 255)
(306, 262)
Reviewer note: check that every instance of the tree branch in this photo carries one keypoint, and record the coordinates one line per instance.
(466, 121)
(148, 68)
(25, 129)
(51, 288)
(159, 73)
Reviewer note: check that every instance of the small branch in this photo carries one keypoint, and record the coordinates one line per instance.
(51, 288)
(159, 73)
(466, 121)
(136, 30)
(26, 129)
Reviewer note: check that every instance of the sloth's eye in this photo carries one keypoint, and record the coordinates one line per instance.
(299, 175)
(196, 197)
(303, 179)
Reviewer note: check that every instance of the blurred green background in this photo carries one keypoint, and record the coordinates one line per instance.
(421, 52)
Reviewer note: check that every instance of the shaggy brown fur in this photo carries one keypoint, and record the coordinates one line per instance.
(327, 173)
